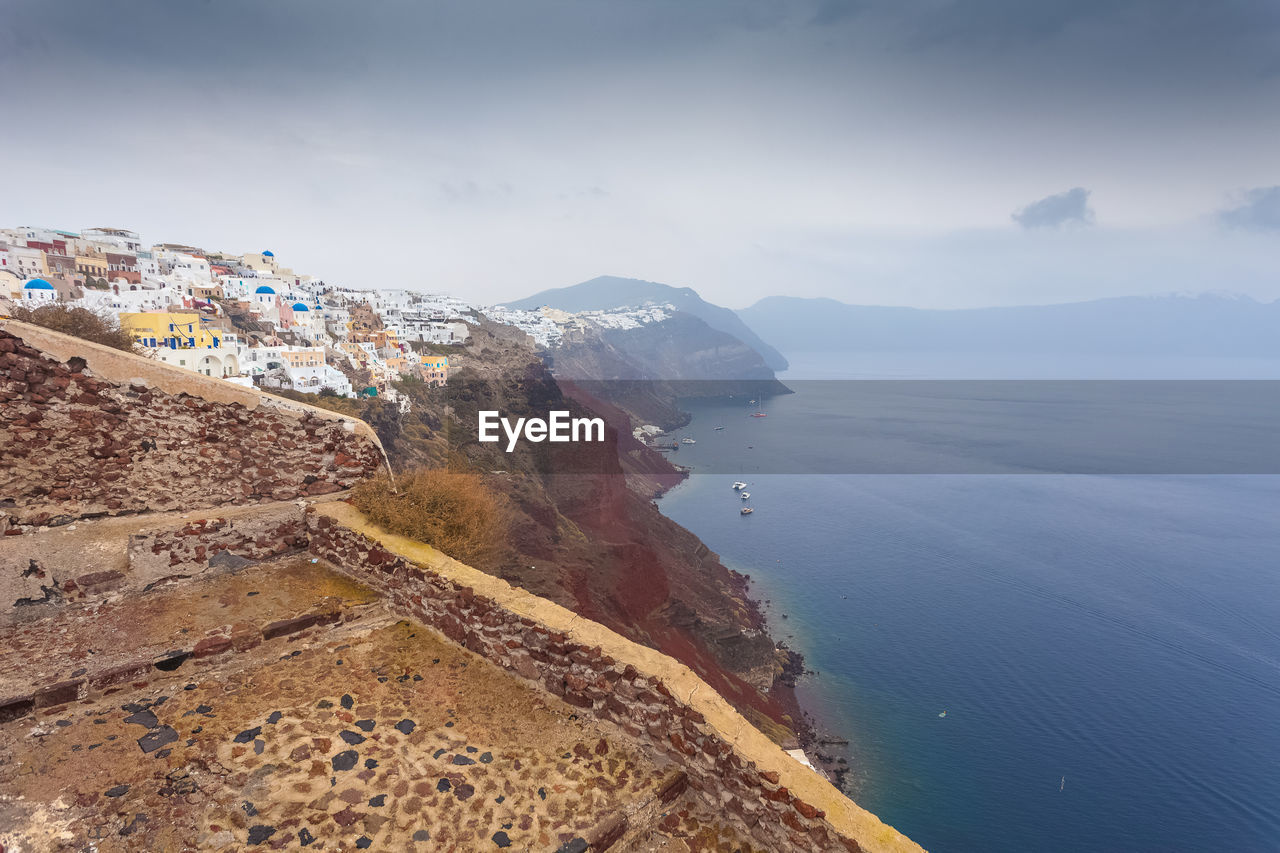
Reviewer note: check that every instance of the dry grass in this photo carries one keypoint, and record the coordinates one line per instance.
(452, 511)
(80, 322)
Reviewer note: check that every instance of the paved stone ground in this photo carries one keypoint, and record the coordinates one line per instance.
(351, 738)
(370, 734)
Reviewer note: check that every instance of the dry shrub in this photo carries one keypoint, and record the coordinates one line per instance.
(452, 511)
(77, 321)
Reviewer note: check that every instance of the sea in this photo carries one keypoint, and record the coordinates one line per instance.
(1029, 661)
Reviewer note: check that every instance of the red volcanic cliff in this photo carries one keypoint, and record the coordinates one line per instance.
(584, 531)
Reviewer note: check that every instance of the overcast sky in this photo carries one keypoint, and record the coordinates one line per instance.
(936, 153)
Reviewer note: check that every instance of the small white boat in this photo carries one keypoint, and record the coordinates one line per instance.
(719, 428)
(746, 510)
(688, 441)
(746, 495)
(739, 486)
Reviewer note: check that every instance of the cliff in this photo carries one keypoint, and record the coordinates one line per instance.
(647, 370)
(264, 674)
(608, 292)
(583, 529)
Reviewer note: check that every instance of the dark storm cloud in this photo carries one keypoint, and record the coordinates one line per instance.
(1188, 21)
(1068, 208)
(1258, 210)
(490, 36)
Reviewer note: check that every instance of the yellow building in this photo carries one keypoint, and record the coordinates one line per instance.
(183, 340)
(303, 358)
(176, 331)
(358, 353)
(92, 265)
(435, 368)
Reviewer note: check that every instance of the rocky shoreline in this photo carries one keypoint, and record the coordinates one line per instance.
(822, 745)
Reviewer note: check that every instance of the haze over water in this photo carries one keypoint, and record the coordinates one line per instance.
(1106, 648)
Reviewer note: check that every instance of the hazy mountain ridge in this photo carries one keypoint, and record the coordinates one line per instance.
(646, 369)
(608, 292)
(1169, 325)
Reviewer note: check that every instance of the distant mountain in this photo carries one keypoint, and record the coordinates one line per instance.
(1173, 325)
(607, 291)
(645, 370)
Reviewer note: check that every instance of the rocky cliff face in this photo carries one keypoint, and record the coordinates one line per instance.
(645, 370)
(584, 532)
(610, 292)
(680, 347)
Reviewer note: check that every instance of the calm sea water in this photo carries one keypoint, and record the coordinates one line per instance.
(1106, 648)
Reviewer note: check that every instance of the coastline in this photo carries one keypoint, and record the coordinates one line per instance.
(813, 735)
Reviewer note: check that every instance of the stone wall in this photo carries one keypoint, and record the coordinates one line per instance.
(781, 803)
(87, 431)
(216, 543)
(127, 555)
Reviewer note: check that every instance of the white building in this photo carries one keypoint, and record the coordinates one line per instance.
(218, 363)
(37, 291)
(266, 302)
(144, 298)
(28, 263)
(314, 379)
(192, 268)
(122, 239)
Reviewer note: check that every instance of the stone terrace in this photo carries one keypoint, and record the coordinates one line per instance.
(360, 733)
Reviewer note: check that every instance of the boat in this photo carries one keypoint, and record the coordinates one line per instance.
(746, 510)
(759, 415)
(739, 486)
(719, 428)
(746, 495)
(688, 441)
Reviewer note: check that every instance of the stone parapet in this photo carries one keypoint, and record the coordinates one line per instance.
(89, 431)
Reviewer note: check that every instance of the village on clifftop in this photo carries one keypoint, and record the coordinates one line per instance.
(250, 320)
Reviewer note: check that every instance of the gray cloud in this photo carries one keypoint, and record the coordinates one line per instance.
(480, 131)
(1259, 210)
(1068, 208)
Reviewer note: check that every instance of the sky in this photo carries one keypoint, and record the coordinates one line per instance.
(936, 153)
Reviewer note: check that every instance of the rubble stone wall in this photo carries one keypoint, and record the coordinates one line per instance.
(86, 431)
(229, 543)
(783, 804)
